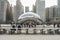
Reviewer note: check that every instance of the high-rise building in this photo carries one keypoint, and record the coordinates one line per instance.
(40, 9)
(34, 9)
(9, 13)
(26, 9)
(3, 6)
(51, 13)
(47, 14)
(18, 10)
(56, 11)
(59, 8)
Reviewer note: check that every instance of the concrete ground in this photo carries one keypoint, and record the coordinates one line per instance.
(29, 37)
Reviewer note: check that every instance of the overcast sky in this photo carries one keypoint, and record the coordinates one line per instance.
(29, 3)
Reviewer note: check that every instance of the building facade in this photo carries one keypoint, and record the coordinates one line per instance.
(26, 9)
(52, 14)
(40, 9)
(34, 9)
(18, 10)
(9, 13)
(59, 8)
(3, 6)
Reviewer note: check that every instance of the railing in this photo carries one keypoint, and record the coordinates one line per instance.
(39, 29)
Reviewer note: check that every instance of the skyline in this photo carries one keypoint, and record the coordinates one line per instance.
(11, 14)
(29, 3)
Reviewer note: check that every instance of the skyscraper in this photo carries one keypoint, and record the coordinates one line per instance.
(26, 9)
(34, 9)
(18, 10)
(3, 6)
(40, 8)
(59, 8)
(9, 13)
(51, 14)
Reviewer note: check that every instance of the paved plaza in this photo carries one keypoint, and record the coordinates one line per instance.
(29, 37)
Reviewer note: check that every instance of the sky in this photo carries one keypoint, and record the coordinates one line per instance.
(49, 3)
(29, 3)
